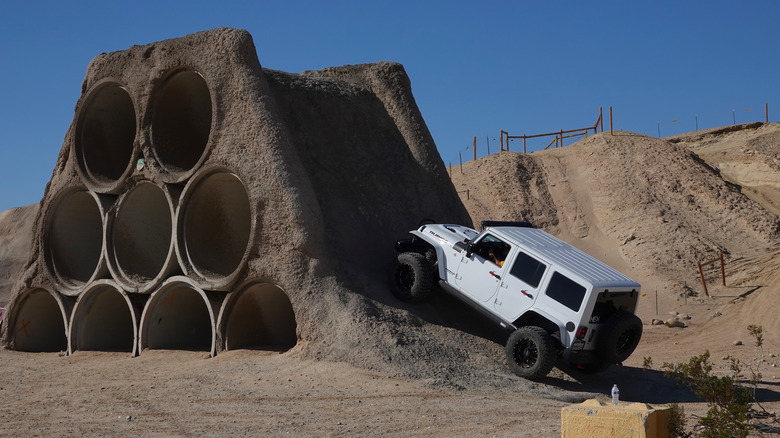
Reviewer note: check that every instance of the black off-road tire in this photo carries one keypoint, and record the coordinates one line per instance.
(531, 352)
(412, 277)
(619, 337)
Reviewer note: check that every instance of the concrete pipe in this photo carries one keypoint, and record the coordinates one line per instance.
(37, 321)
(214, 227)
(180, 316)
(257, 315)
(139, 237)
(181, 124)
(105, 137)
(105, 318)
(73, 239)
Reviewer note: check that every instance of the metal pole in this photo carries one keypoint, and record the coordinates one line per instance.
(722, 269)
(766, 112)
(475, 147)
(487, 137)
(734, 116)
(697, 123)
(610, 121)
(523, 142)
(460, 158)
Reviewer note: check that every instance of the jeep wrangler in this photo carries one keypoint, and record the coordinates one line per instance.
(557, 301)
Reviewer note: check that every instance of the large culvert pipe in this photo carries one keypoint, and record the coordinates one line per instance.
(105, 137)
(257, 315)
(181, 114)
(73, 238)
(139, 237)
(214, 226)
(105, 318)
(180, 316)
(38, 320)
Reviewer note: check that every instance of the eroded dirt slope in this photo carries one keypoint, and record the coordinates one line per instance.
(16, 230)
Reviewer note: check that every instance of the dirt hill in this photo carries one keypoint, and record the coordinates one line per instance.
(650, 207)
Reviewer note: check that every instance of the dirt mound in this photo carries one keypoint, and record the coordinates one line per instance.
(749, 157)
(197, 194)
(648, 206)
(16, 231)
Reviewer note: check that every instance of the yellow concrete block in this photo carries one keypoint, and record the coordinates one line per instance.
(593, 419)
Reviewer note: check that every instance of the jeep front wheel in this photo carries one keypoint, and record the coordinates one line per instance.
(412, 277)
(531, 352)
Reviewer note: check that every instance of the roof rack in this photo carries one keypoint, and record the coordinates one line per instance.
(485, 224)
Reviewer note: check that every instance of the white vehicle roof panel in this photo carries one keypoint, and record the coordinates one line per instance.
(560, 253)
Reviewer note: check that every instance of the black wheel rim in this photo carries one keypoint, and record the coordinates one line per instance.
(625, 341)
(404, 277)
(526, 353)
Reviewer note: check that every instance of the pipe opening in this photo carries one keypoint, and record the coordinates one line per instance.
(181, 121)
(178, 319)
(74, 239)
(216, 225)
(141, 233)
(105, 134)
(102, 321)
(38, 323)
(261, 317)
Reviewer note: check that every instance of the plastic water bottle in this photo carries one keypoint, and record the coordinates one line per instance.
(615, 395)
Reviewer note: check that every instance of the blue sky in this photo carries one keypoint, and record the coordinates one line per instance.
(476, 67)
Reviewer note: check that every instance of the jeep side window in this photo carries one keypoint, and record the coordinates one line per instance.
(566, 291)
(492, 249)
(528, 269)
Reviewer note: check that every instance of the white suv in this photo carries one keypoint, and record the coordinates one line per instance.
(555, 299)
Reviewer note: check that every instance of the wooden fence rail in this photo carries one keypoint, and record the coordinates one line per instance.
(558, 136)
(712, 262)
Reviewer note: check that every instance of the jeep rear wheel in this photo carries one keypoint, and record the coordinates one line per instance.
(531, 352)
(619, 337)
(412, 277)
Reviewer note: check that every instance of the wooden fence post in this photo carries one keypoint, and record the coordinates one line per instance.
(703, 282)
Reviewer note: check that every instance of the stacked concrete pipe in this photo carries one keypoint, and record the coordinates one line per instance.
(202, 202)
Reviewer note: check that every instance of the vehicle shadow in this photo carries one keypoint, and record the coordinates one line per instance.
(638, 385)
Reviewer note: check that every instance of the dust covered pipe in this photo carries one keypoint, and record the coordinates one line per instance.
(105, 137)
(258, 315)
(214, 226)
(181, 123)
(179, 316)
(37, 319)
(73, 239)
(139, 237)
(103, 319)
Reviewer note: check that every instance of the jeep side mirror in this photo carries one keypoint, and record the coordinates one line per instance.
(469, 249)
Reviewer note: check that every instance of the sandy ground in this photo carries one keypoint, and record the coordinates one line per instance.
(256, 393)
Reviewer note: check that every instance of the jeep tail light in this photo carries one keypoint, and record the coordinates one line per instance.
(581, 332)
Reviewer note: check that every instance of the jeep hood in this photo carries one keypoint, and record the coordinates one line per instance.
(445, 233)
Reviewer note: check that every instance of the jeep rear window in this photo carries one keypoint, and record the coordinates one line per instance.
(565, 291)
(528, 269)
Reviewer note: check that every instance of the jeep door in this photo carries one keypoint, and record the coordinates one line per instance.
(519, 287)
(478, 277)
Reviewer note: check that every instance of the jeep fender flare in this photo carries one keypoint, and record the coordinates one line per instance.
(536, 317)
(435, 245)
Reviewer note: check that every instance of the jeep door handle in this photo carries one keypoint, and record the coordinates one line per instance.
(495, 275)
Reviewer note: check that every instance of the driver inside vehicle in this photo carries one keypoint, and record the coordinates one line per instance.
(494, 258)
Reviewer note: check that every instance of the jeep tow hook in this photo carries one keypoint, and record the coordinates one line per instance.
(495, 275)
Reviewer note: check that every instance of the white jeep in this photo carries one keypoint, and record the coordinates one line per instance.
(555, 299)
